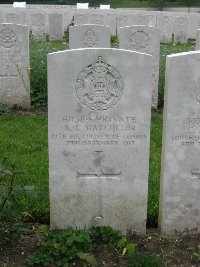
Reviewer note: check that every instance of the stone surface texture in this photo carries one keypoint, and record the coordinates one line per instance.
(180, 176)
(143, 39)
(89, 36)
(14, 58)
(99, 125)
(198, 40)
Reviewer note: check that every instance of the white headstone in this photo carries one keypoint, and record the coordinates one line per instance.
(56, 27)
(99, 17)
(104, 6)
(82, 5)
(194, 24)
(38, 24)
(180, 176)
(143, 39)
(198, 40)
(99, 138)
(165, 24)
(14, 58)
(89, 36)
(181, 29)
(19, 4)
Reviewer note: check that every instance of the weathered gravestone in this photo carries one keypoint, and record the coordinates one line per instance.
(56, 26)
(38, 24)
(99, 17)
(165, 24)
(17, 17)
(143, 39)
(198, 40)
(89, 36)
(99, 138)
(14, 58)
(180, 179)
(181, 29)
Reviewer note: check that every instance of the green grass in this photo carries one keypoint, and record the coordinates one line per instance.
(24, 140)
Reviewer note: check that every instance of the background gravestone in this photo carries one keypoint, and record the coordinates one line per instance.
(181, 29)
(38, 24)
(143, 39)
(99, 138)
(89, 36)
(180, 176)
(165, 24)
(56, 26)
(14, 58)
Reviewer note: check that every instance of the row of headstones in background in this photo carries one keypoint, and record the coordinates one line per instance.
(99, 140)
(183, 25)
(136, 38)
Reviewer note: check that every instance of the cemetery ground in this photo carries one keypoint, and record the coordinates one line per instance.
(24, 141)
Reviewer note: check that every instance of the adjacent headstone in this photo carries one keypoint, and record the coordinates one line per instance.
(82, 5)
(198, 40)
(56, 27)
(146, 40)
(194, 24)
(180, 178)
(17, 17)
(99, 138)
(99, 17)
(38, 24)
(165, 24)
(89, 36)
(104, 7)
(14, 58)
(130, 18)
(181, 29)
(19, 4)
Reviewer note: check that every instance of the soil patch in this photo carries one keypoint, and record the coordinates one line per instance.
(176, 252)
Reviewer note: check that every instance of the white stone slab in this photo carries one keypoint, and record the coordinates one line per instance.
(99, 17)
(19, 4)
(198, 40)
(180, 178)
(38, 22)
(181, 29)
(56, 26)
(14, 58)
(99, 138)
(89, 36)
(143, 39)
(104, 7)
(16, 17)
(135, 17)
(165, 23)
(194, 24)
(82, 5)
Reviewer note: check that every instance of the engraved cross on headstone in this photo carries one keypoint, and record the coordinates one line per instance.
(99, 175)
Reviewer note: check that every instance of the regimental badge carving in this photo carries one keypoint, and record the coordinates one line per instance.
(197, 91)
(99, 86)
(139, 40)
(89, 39)
(7, 38)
